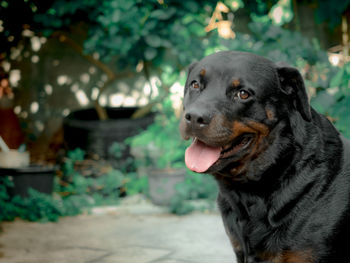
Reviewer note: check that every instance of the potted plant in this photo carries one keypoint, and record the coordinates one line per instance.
(159, 153)
(14, 160)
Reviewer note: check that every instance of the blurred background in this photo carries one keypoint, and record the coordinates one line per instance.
(90, 92)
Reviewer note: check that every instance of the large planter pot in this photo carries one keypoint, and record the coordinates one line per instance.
(37, 177)
(83, 129)
(162, 184)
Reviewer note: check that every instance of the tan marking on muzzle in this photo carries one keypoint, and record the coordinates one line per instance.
(260, 130)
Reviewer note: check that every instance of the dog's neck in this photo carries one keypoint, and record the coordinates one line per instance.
(285, 145)
(286, 169)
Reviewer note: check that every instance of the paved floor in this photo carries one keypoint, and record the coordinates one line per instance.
(130, 233)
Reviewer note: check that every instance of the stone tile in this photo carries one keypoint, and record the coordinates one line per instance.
(170, 261)
(69, 255)
(124, 235)
(135, 255)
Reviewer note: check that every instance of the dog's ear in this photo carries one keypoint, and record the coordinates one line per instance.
(292, 84)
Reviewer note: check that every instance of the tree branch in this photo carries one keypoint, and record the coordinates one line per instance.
(111, 75)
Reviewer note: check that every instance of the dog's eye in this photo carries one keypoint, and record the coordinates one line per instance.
(243, 94)
(195, 84)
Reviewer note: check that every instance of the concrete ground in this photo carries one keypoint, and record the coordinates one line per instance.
(128, 233)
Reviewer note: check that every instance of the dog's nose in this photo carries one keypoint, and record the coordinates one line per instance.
(197, 119)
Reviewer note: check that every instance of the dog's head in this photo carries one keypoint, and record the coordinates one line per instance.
(232, 103)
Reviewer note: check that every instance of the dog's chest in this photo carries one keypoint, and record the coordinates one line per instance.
(246, 220)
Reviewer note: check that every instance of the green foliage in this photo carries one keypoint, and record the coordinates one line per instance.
(74, 193)
(105, 187)
(135, 30)
(195, 187)
(277, 12)
(330, 11)
(6, 211)
(37, 206)
(160, 145)
(168, 37)
(335, 101)
(135, 184)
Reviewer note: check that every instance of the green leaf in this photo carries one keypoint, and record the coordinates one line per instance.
(323, 101)
(153, 40)
(163, 14)
(150, 53)
(337, 79)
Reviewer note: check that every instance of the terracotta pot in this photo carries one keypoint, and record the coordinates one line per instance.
(10, 129)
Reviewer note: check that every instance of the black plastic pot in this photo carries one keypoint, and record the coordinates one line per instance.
(83, 129)
(37, 177)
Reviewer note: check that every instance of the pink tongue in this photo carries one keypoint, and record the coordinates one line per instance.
(199, 156)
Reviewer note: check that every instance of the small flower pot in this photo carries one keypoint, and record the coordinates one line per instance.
(162, 183)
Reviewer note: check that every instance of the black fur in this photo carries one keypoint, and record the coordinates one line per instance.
(293, 197)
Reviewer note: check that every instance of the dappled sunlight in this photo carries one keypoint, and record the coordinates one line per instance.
(334, 59)
(94, 93)
(155, 83)
(277, 15)
(176, 96)
(82, 98)
(62, 80)
(39, 125)
(48, 89)
(116, 100)
(36, 43)
(123, 87)
(85, 78)
(281, 12)
(15, 77)
(16, 53)
(129, 101)
(6, 65)
(143, 101)
(103, 100)
(75, 87)
(17, 109)
(34, 107)
(147, 89)
(27, 33)
(23, 114)
(65, 112)
(35, 59)
(92, 70)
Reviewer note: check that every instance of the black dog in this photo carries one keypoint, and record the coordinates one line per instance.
(283, 170)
